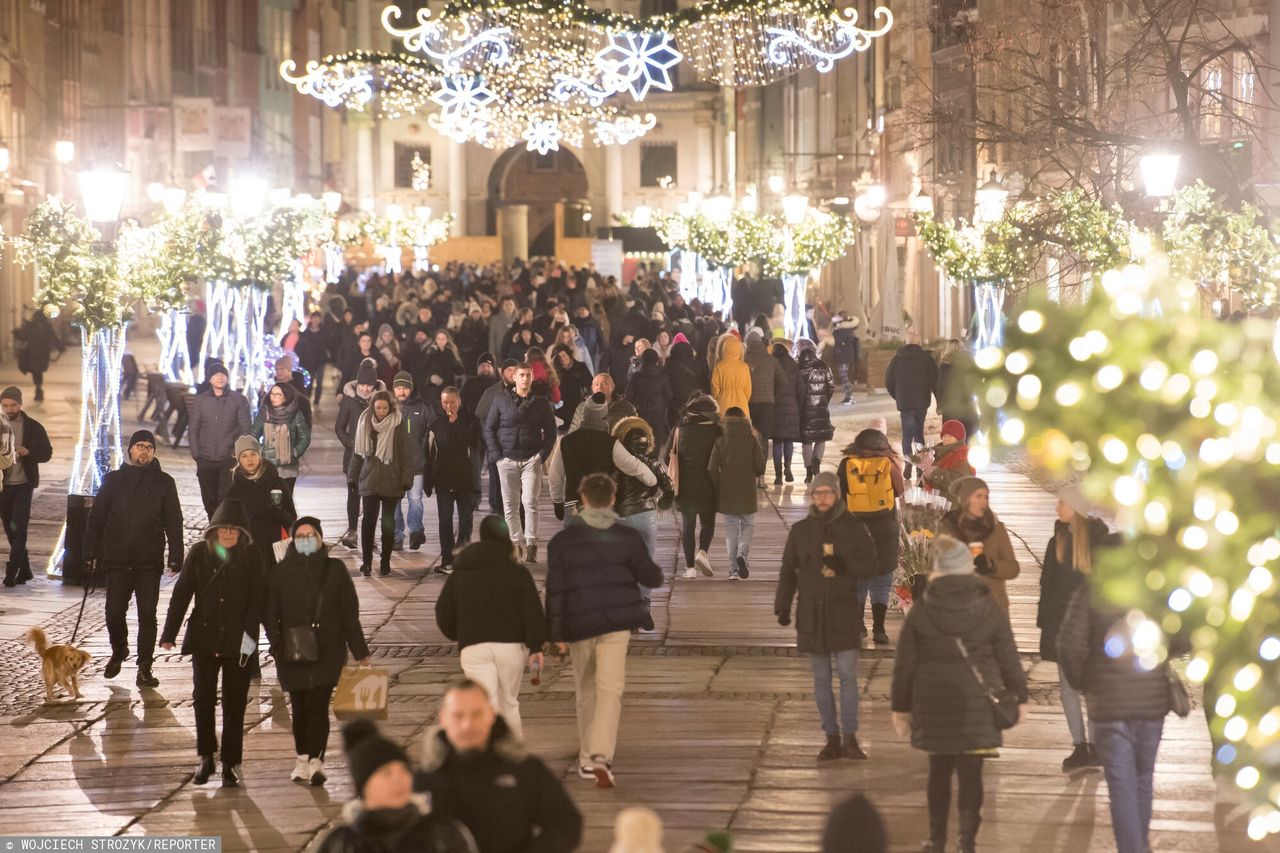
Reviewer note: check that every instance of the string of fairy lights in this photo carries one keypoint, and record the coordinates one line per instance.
(549, 72)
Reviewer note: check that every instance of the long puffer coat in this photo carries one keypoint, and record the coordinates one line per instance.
(786, 408)
(950, 713)
(814, 392)
(682, 369)
(1059, 580)
(827, 614)
(291, 601)
(695, 437)
(650, 390)
(228, 601)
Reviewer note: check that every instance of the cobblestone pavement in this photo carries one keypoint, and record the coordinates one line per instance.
(718, 731)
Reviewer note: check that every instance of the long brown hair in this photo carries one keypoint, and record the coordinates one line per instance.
(1081, 546)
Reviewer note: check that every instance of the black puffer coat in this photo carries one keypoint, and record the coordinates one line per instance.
(291, 601)
(634, 497)
(592, 577)
(814, 392)
(697, 434)
(412, 829)
(267, 522)
(520, 427)
(912, 378)
(827, 613)
(491, 598)
(1059, 580)
(686, 377)
(650, 391)
(786, 402)
(931, 681)
(1116, 688)
(228, 601)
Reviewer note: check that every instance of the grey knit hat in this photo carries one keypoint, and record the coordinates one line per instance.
(825, 480)
(951, 556)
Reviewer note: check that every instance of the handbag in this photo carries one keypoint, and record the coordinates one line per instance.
(302, 642)
(361, 693)
(1004, 704)
(1179, 698)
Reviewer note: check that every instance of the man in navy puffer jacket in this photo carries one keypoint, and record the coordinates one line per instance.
(593, 605)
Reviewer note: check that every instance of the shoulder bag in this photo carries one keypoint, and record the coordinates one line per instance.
(302, 642)
(1004, 704)
(1179, 698)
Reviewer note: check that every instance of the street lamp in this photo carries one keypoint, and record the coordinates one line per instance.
(868, 204)
(173, 198)
(718, 208)
(333, 201)
(991, 198)
(642, 216)
(64, 151)
(248, 196)
(1159, 173)
(776, 184)
(280, 196)
(103, 192)
(794, 208)
(4, 158)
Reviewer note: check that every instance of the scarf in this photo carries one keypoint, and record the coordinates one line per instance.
(367, 429)
(279, 441)
(972, 529)
(601, 518)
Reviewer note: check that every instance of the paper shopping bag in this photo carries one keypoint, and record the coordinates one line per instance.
(361, 693)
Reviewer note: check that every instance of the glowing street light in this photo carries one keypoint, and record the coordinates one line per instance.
(173, 198)
(795, 208)
(280, 196)
(64, 151)
(103, 192)
(991, 198)
(332, 201)
(248, 196)
(1159, 174)
(718, 208)
(776, 184)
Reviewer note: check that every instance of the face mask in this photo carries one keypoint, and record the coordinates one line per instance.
(307, 545)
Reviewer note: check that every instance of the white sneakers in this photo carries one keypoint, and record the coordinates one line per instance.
(690, 573)
(703, 562)
(301, 771)
(316, 768)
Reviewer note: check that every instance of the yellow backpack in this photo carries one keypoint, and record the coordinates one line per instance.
(870, 483)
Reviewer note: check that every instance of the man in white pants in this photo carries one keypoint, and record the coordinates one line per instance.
(490, 607)
(520, 433)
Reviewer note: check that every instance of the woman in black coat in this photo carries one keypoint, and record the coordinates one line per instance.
(224, 576)
(575, 383)
(38, 339)
(936, 694)
(786, 413)
(813, 394)
(650, 392)
(691, 446)
(305, 582)
(257, 484)
(686, 376)
(1068, 562)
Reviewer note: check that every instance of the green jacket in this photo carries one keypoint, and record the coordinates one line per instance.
(736, 461)
(299, 441)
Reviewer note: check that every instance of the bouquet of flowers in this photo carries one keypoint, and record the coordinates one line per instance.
(921, 514)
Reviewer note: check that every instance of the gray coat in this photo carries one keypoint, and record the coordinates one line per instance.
(764, 370)
(376, 478)
(216, 423)
(736, 461)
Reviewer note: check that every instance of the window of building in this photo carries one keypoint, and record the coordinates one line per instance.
(658, 164)
(404, 162)
(1245, 91)
(1211, 103)
(278, 45)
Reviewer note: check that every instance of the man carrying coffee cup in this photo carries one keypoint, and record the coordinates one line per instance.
(257, 483)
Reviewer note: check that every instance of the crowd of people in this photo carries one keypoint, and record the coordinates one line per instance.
(629, 403)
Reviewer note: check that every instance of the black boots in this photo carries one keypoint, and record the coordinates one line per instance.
(230, 779)
(809, 471)
(937, 842)
(970, 820)
(11, 576)
(203, 770)
(832, 750)
(145, 678)
(850, 748)
(786, 472)
(878, 634)
(777, 474)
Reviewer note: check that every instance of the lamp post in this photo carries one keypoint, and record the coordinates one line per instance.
(102, 352)
(990, 199)
(1159, 174)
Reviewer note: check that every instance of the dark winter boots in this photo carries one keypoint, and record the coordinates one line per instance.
(877, 624)
(832, 750)
(786, 471)
(203, 770)
(777, 474)
(850, 748)
(937, 842)
(970, 820)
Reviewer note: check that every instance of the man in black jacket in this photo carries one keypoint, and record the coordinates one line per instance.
(313, 352)
(453, 445)
(31, 448)
(520, 432)
(594, 567)
(911, 379)
(135, 511)
(477, 772)
(418, 415)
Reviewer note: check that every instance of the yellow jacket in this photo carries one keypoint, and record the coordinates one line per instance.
(731, 380)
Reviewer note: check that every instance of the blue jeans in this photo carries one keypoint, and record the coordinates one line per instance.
(647, 524)
(847, 669)
(738, 530)
(415, 509)
(1128, 749)
(879, 587)
(912, 432)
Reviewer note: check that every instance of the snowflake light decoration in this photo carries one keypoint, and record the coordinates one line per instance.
(542, 136)
(639, 62)
(462, 94)
(624, 129)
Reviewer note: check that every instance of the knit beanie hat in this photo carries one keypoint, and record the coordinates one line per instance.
(679, 339)
(879, 425)
(142, 435)
(215, 367)
(367, 373)
(13, 392)
(308, 520)
(403, 379)
(247, 442)
(955, 429)
(367, 751)
(825, 480)
(964, 488)
(951, 556)
(595, 413)
(637, 830)
(650, 356)
(854, 826)
(510, 362)
(485, 358)
(494, 529)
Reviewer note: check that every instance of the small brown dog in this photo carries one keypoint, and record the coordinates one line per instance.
(61, 664)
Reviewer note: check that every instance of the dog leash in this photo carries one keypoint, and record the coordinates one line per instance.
(90, 585)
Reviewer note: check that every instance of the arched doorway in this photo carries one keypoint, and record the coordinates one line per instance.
(526, 185)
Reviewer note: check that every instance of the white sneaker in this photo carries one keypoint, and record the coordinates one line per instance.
(703, 562)
(301, 773)
(690, 573)
(316, 768)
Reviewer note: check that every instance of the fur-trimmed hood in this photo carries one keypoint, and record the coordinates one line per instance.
(353, 810)
(350, 388)
(627, 424)
(435, 748)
